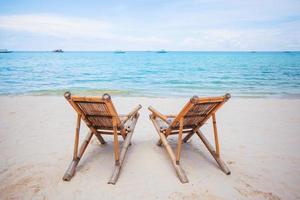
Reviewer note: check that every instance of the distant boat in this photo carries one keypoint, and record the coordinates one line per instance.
(252, 51)
(119, 51)
(4, 51)
(58, 51)
(161, 51)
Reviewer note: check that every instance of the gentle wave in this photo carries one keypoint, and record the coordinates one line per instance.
(243, 74)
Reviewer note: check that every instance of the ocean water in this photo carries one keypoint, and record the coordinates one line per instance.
(243, 74)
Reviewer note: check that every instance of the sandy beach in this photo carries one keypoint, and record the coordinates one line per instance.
(259, 140)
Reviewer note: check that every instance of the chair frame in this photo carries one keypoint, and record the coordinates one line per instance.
(180, 130)
(124, 128)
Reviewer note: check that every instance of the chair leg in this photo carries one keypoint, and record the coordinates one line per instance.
(125, 147)
(179, 171)
(187, 137)
(72, 167)
(179, 144)
(123, 133)
(116, 142)
(210, 148)
(100, 138)
(77, 137)
(216, 135)
(159, 143)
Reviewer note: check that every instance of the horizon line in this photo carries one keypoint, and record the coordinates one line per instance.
(157, 50)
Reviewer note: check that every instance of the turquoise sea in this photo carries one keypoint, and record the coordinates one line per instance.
(243, 74)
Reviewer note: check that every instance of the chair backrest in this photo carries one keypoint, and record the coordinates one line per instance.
(198, 110)
(96, 111)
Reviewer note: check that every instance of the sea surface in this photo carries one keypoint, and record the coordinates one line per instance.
(243, 74)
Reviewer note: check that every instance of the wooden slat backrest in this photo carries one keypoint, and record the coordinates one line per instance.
(198, 110)
(198, 113)
(98, 111)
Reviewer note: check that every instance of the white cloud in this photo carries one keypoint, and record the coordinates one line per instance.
(230, 39)
(56, 26)
(73, 33)
(97, 33)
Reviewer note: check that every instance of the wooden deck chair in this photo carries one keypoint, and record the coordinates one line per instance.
(191, 118)
(100, 116)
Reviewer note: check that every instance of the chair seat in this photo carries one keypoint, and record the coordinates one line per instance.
(163, 125)
(109, 129)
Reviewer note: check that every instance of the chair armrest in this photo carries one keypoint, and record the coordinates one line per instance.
(158, 114)
(131, 114)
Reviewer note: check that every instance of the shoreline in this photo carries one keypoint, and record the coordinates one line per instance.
(292, 97)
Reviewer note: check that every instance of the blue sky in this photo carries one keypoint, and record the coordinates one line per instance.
(204, 25)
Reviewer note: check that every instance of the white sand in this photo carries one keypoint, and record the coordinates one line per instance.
(259, 141)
